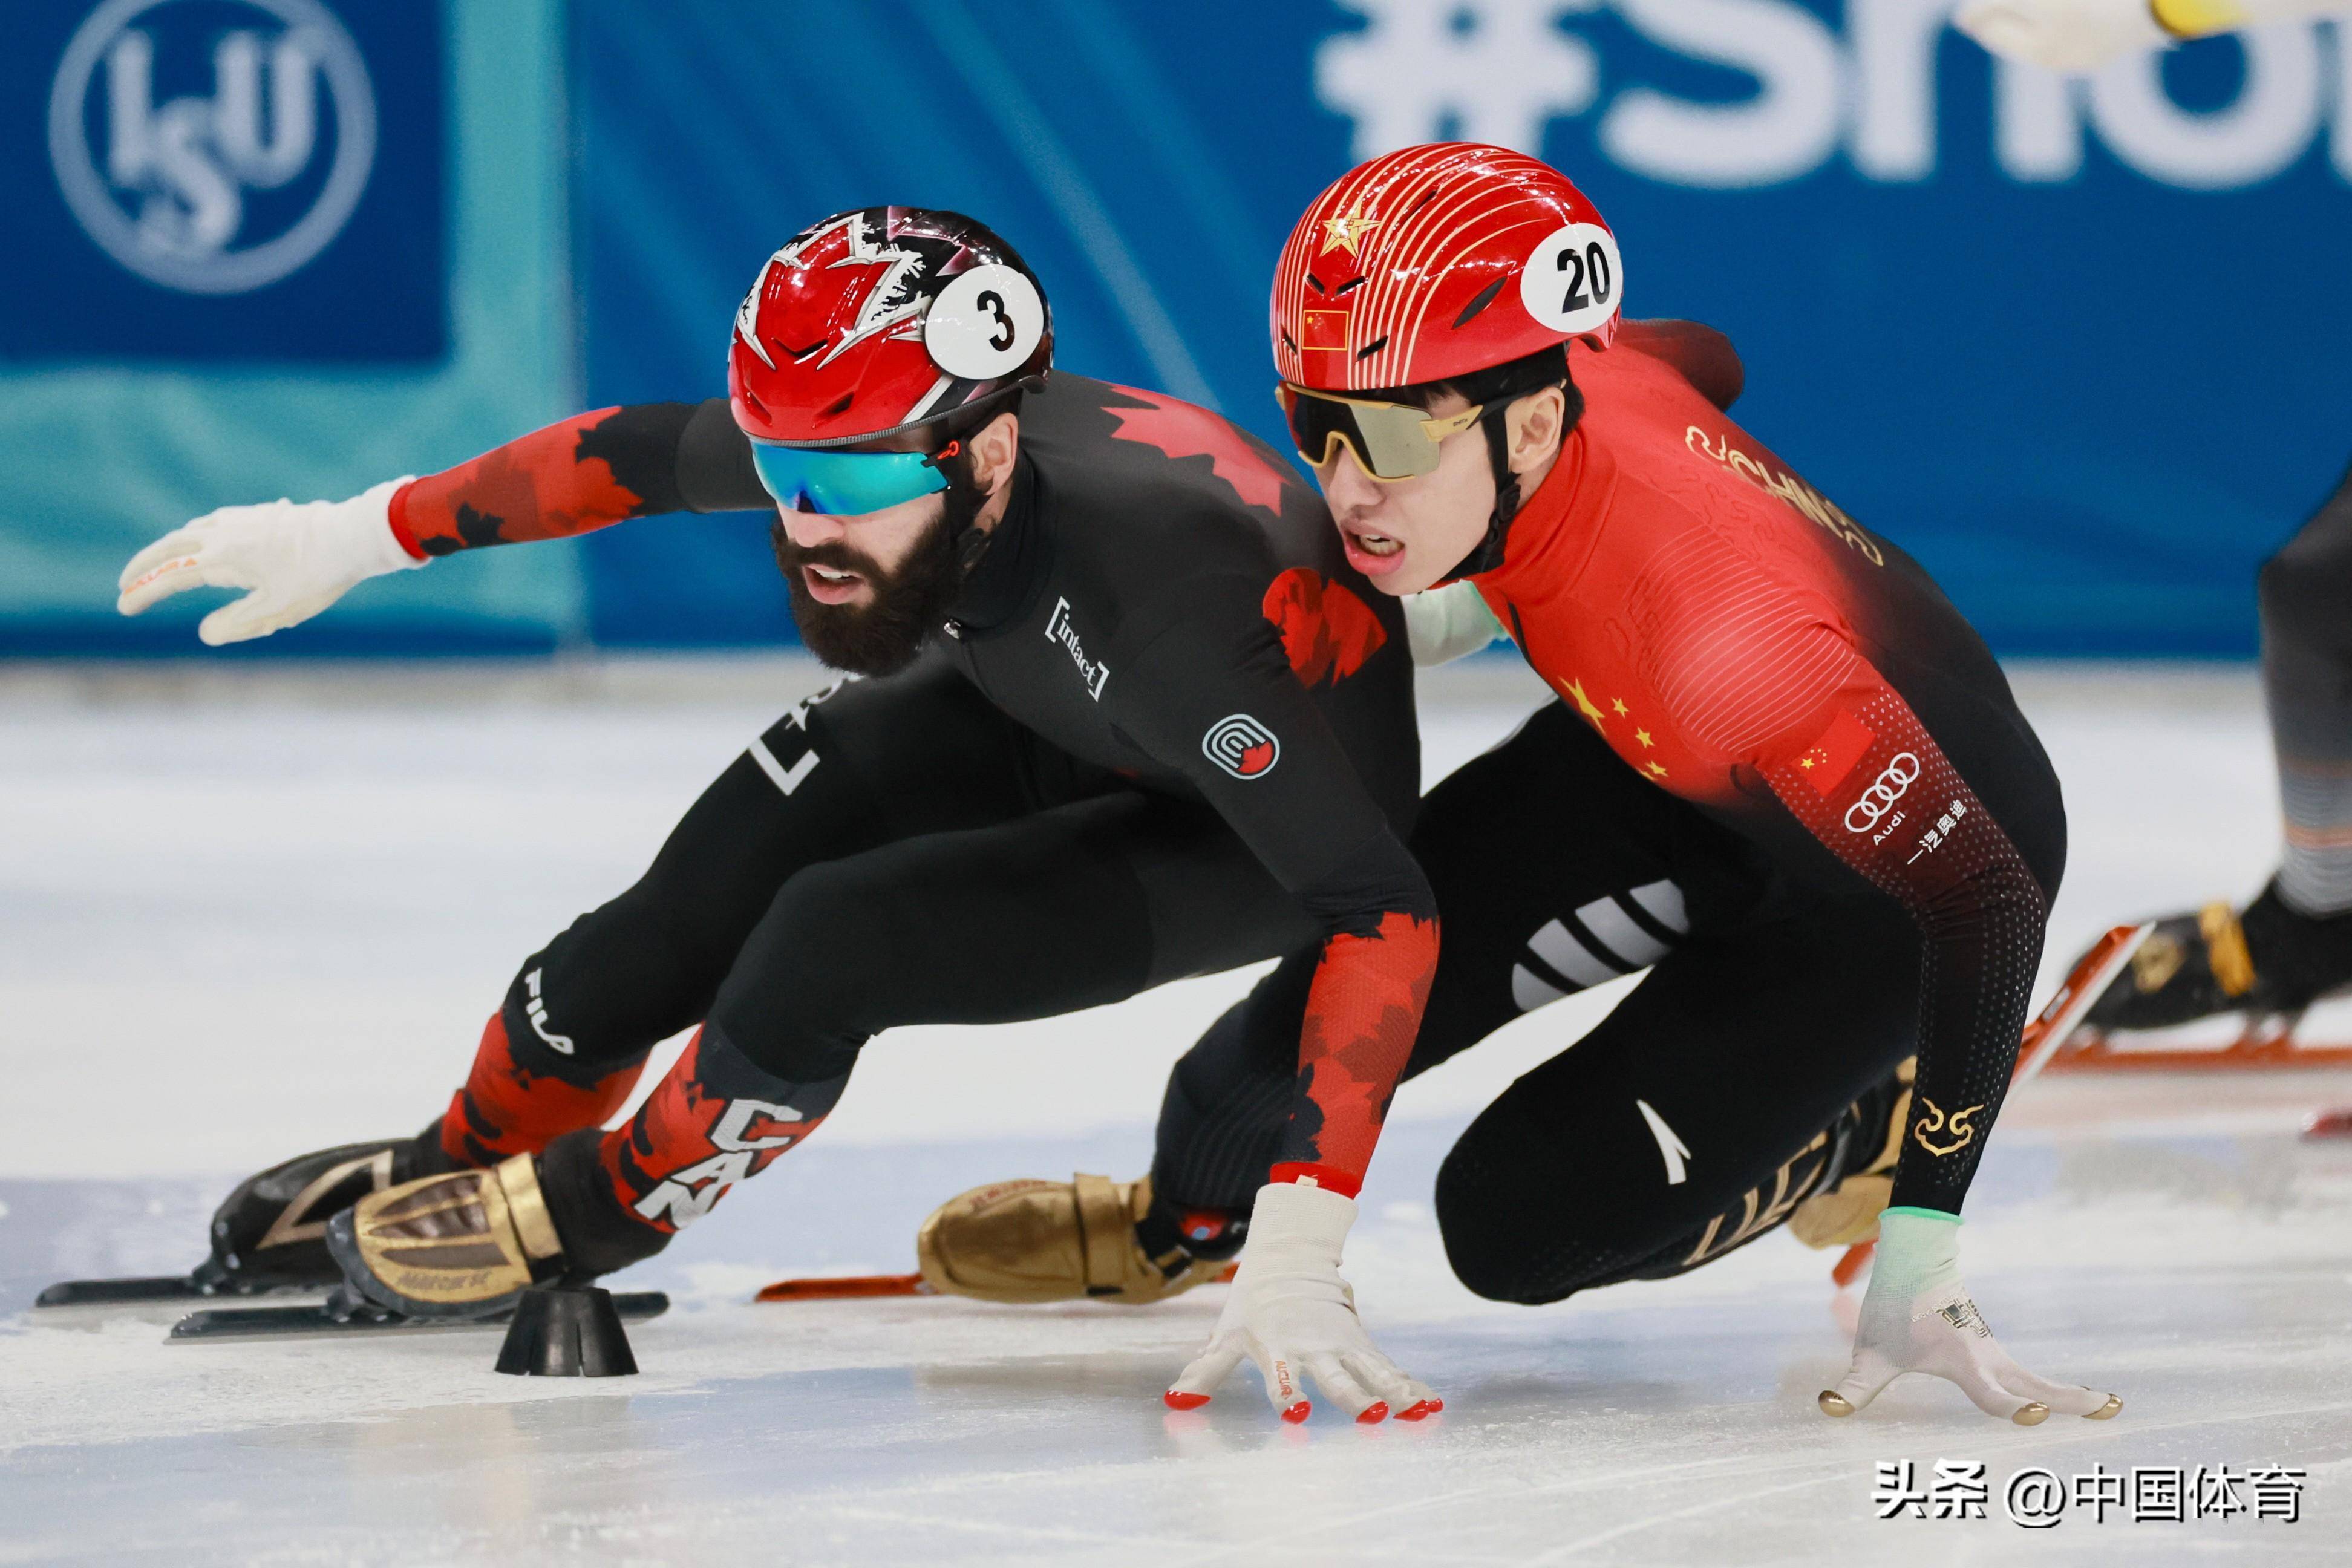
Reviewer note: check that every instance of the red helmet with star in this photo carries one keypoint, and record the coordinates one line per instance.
(880, 321)
(1435, 262)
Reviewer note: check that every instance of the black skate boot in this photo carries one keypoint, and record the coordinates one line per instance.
(271, 1233)
(2267, 960)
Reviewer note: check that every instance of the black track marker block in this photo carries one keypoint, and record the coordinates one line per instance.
(566, 1331)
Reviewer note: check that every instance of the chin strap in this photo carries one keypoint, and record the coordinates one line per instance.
(965, 499)
(1489, 554)
(1494, 421)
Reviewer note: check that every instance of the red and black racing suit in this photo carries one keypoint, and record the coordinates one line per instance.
(1167, 730)
(1785, 776)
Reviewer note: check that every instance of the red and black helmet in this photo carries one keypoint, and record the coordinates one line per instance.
(881, 321)
(1436, 262)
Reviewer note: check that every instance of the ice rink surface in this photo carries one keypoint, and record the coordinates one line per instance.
(249, 912)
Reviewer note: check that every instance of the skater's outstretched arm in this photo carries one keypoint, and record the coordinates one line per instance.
(1852, 762)
(583, 473)
(586, 472)
(1862, 774)
(1215, 692)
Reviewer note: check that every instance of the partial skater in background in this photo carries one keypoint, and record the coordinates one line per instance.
(2083, 35)
(2293, 943)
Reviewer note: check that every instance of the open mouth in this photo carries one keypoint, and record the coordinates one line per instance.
(830, 585)
(1374, 555)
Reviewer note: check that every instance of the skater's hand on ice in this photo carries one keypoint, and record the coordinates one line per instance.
(295, 559)
(1917, 1318)
(1291, 1314)
(2063, 35)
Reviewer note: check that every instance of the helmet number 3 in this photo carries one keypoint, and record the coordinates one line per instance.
(994, 303)
(1570, 280)
(985, 323)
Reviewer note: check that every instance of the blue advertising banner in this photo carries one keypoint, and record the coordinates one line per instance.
(275, 247)
(2079, 344)
(192, 180)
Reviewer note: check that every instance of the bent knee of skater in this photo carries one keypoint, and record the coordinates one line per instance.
(835, 928)
(1531, 1212)
(1501, 1247)
(816, 976)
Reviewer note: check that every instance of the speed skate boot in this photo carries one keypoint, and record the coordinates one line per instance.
(2267, 959)
(1089, 1238)
(1864, 1144)
(464, 1243)
(271, 1234)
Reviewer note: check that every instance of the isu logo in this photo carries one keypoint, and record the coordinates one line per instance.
(1241, 746)
(1884, 790)
(217, 194)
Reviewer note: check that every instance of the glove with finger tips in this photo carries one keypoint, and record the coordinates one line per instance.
(294, 559)
(1917, 1317)
(1293, 1315)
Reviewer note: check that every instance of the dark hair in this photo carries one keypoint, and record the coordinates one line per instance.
(1501, 384)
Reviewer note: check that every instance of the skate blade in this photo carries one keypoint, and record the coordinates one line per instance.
(845, 1287)
(133, 1291)
(2075, 994)
(118, 1292)
(318, 1323)
(867, 1287)
(2227, 1043)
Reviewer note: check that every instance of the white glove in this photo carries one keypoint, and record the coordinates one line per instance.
(296, 560)
(2063, 35)
(1917, 1318)
(1442, 625)
(1291, 1313)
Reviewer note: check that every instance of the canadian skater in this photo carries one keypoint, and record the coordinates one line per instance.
(1129, 715)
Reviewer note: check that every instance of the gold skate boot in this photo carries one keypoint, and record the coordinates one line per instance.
(464, 1244)
(1051, 1241)
(1846, 1210)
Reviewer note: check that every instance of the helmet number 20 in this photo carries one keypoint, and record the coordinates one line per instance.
(1591, 265)
(1583, 258)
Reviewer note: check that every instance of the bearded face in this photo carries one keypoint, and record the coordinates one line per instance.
(858, 615)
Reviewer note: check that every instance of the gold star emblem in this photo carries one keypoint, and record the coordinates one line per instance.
(1658, 769)
(1346, 231)
(1642, 736)
(1806, 763)
(1585, 704)
(1619, 704)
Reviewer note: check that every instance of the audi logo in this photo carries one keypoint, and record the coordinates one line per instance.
(1883, 792)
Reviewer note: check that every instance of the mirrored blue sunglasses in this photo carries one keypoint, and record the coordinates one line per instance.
(847, 484)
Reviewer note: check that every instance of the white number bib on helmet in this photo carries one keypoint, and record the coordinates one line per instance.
(1572, 282)
(985, 323)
